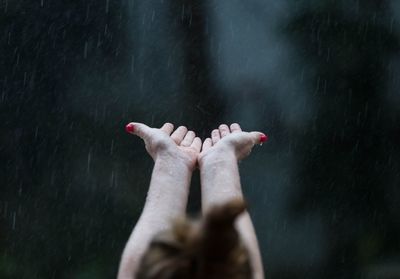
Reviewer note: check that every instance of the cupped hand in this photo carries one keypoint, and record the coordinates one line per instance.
(180, 145)
(227, 140)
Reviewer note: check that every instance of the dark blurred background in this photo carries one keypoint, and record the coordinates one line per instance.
(322, 78)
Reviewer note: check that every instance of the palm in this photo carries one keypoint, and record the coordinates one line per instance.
(191, 152)
(230, 139)
(167, 145)
(181, 144)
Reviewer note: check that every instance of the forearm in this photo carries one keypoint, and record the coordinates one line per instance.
(166, 199)
(220, 182)
(168, 192)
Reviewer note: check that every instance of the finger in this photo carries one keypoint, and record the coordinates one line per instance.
(188, 139)
(196, 144)
(235, 128)
(207, 144)
(179, 134)
(215, 136)
(167, 128)
(224, 130)
(141, 130)
(258, 138)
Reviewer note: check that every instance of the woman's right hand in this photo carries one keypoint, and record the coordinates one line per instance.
(225, 141)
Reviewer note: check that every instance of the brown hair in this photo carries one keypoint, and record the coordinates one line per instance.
(210, 248)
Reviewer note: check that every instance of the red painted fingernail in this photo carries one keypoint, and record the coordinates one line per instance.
(129, 128)
(263, 138)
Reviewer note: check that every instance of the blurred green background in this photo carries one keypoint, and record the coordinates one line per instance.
(320, 77)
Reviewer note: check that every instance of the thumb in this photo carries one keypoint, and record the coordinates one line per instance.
(139, 129)
(258, 137)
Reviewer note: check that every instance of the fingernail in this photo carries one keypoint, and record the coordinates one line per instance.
(129, 128)
(263, 138)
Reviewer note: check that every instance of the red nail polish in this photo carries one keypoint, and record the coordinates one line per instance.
(263, 138)
(129, 128)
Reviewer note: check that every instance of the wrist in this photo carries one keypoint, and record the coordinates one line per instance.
(217, 158)
(171, 161)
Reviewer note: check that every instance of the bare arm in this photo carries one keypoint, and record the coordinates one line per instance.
(175, 158)
(220, 179)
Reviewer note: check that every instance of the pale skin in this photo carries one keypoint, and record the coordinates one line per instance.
(176, 153)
